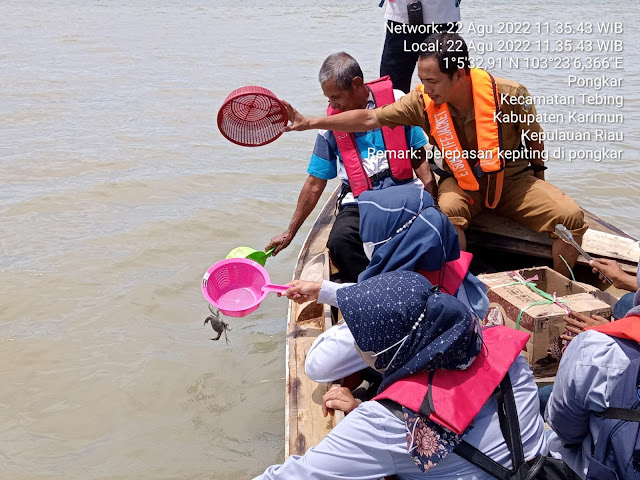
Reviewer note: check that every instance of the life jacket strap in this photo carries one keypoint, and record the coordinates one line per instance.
(626, 414)
(508, 416)
(393, 407)
(498, 180)
(380, 175)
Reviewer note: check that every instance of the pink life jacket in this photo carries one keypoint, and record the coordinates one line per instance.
(453, 398)
(394, 141)
(454, 273)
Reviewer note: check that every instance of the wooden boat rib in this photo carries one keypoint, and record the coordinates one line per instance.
(489, 238)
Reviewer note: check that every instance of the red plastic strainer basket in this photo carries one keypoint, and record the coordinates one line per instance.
(252, 116)
(237, 286)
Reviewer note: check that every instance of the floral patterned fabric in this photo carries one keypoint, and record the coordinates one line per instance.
(427, 442)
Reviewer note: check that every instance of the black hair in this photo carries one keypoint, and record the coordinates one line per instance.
(449, 49)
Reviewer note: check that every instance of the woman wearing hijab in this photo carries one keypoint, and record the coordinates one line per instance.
(402, 230)
(439, 372)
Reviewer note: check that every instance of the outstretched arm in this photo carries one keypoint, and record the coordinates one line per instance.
(611, 269)
(307, 200)
(302, 291)
(361, 120)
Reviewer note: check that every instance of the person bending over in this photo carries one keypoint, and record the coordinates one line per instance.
(373, 158)
(426, 344)
(403, 230)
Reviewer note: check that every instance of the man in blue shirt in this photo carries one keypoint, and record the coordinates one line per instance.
(342, 83)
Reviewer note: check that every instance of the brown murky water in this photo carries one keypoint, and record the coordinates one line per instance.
(118, 192)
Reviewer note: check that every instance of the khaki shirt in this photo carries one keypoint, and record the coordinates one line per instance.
(409, 110)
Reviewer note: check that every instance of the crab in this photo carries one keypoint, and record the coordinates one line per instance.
(217, 324)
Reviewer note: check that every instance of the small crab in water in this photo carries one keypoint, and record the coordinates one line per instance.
(218, 325)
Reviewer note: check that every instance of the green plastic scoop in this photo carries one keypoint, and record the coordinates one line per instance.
(251, 254)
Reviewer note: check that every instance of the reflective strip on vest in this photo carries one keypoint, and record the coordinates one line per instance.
(485, 106)
(394, 140)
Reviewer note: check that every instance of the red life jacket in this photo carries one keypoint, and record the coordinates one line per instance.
(394, 141)
(453, 273)
(627, 327)
(453, 398)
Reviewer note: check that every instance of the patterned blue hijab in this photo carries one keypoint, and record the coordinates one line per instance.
(441, 332)
(407, 230)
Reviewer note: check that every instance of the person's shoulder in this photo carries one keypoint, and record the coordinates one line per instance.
(398, 94)
(590, 339)
(594, 338)
(593, 348)
(411, 97)
(375, 410)
(325, 145)
(510, 87)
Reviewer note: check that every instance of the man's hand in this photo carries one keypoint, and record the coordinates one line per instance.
(611, 269)
(298, 121)
(301, 291)
(431, 187)
(423, 171)
(338, 398)
(537, 155)
(279, 242)
(576, 322)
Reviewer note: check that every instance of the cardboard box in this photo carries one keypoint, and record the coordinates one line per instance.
(544, 321)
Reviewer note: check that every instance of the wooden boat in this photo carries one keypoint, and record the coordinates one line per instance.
(497, 243)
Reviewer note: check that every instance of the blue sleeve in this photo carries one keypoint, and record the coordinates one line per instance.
(324, 162)
(415, 137)
(583, 385)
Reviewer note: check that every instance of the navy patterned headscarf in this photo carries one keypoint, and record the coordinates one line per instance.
(441, 332)
(412, 328)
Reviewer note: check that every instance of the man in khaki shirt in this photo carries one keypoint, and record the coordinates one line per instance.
(444, 71)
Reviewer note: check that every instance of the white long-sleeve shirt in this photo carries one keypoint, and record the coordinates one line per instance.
(333, 355)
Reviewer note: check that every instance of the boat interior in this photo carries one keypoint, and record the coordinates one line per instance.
(498, 244)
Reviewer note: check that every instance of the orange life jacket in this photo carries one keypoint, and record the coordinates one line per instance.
(453, 398)
(627, 328)
(485, 106)
(394, 140)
